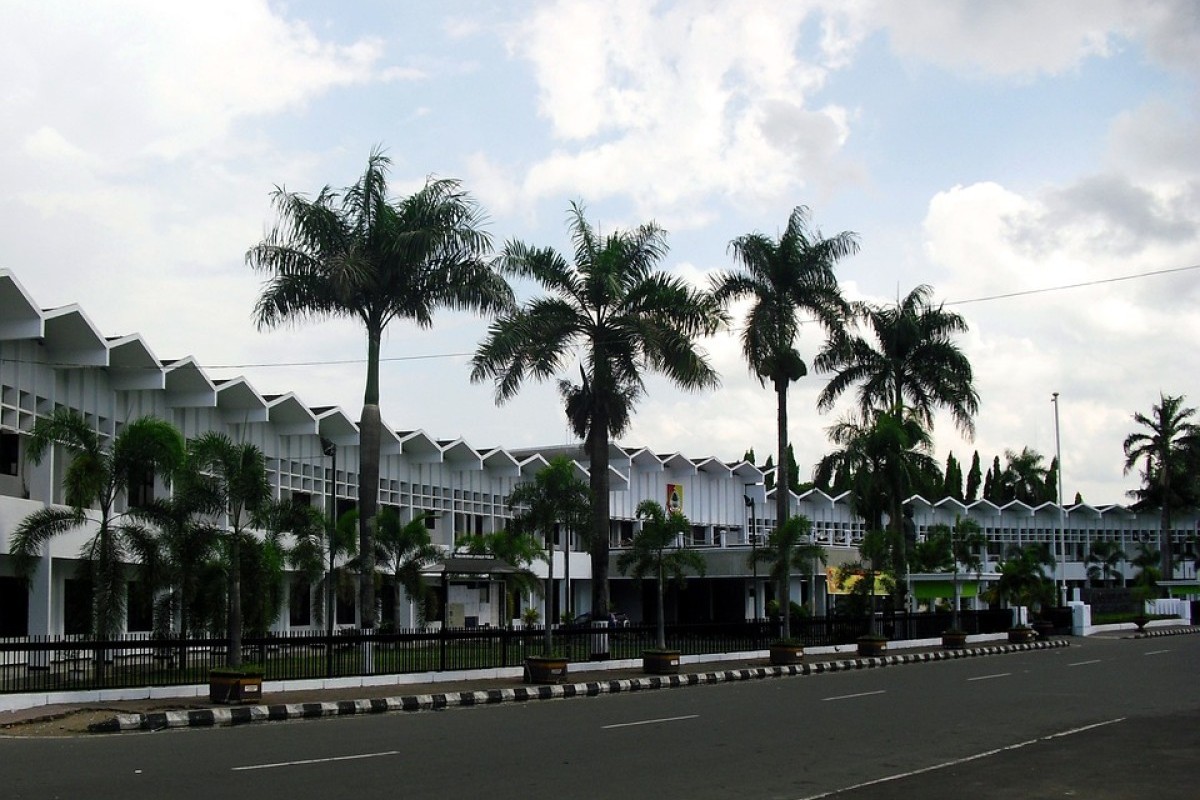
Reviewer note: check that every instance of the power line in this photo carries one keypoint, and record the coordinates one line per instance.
(1048, 289)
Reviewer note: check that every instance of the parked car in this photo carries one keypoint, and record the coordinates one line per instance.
(584, 620)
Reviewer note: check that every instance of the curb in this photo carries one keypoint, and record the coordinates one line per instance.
(243, 715)
(1167, 632)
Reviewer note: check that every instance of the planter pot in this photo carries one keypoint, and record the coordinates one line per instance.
(954, 640)
(869, 646)
(1140, 620)
(545, 669)
(660, 662)
(1021, 635)
(782, 654)
(1044, 628)
(227, 686)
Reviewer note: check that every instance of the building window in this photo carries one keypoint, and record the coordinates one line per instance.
(10, 453)
(345, 610)
(302, 499)
(139, 608)
(14, 607)
(77, 607)
(141, 490)
(300, 605)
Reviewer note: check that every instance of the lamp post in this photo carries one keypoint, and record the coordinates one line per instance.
(330, 449)
(1062, 525)
(753, 552)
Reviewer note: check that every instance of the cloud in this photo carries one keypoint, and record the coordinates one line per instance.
(674, 106)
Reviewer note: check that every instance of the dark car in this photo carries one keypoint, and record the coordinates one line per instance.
(584, 620)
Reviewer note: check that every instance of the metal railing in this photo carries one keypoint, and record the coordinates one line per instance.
(70, 663)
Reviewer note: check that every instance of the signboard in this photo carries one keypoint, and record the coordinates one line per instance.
(837, 583)
(674, 497)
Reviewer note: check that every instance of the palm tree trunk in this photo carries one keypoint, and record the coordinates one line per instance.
(1164, 544)
(598, 480)
(396, 605)
(235, 600)
(661, 632)
(782, 479)
(369, 437)
(547, 641)
(785, 605)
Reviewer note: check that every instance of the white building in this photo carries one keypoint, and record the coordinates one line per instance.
(52, 358)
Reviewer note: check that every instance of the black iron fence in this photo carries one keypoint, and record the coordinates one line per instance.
(69, 663)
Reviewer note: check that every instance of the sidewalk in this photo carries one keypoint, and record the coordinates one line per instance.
(280, 702)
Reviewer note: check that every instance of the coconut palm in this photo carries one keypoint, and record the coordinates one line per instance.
(407, 551)
(360, 255)
(1168, 435)
(1104, 562)
(656, 551)
(626, 317)
(908, 361)
(789, 547)
(554, 497)
(784, 278)
(1025, 478)
(98, 477)
(236, 474)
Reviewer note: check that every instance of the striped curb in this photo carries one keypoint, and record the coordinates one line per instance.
(242, 715)
(1167, 632)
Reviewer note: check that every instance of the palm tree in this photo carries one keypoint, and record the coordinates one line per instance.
(407, 552)
(1167, 436)
(1022, 577)
(1104, 562)
(909, 362)
(966, 544)
(656, 551)
(236, 474)
(785, 277)
(360, 255)
(1024, 478)
(100, 473)
(554, 497)
(789, 547)
(627, 318)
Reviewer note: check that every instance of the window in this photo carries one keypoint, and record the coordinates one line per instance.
(139, 608)
(77, 607)
(300, 605)
(14, 607)
(141, 490)
(10, 453)
(345, 610)
(302, 499)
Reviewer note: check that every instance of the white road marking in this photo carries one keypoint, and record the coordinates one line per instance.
(316, 761)
(963, 760)
(1082, 663)
(1155, 652)
(989, 677)
(851, 696)
(647, 722)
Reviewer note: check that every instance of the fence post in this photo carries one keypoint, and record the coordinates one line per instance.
(442, 631)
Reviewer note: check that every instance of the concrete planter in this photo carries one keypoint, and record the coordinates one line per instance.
(870, 646)
(229, 686)
(1022, 634)
(954, 640)
(545, 669)
(660, 662)
(783, 654)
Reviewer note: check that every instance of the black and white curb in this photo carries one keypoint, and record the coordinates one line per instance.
(241, 715)
(1167, 632)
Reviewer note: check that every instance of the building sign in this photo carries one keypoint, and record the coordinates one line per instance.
(674, 498)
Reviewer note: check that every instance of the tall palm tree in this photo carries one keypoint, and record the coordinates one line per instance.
(908, 361)
(789, 547)
(407, 551)
(101, 473)
(554, 497)
(627, 318)
(236, 473)
(1024, 478)
(358, 254)
(966, 544)
(784, 278)
(656, 551)
(1168, 434)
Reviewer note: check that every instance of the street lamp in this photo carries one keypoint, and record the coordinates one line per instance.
(330, 449)
(1062, 524)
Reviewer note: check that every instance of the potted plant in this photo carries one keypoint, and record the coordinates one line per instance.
(656, 551)
(959, 546)
(788, 547)
(1022, 582)
(872, 644)
(228, 685)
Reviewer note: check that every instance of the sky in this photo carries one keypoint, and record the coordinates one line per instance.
(995, 151)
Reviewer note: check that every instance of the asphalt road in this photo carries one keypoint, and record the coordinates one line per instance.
(1102, 719)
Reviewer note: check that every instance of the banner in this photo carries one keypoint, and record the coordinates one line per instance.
(837, 583)
(674, 497)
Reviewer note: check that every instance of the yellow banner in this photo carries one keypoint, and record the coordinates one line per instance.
(674, 497)
(838, 583)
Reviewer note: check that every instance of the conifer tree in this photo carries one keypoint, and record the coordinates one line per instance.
(973, 479)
